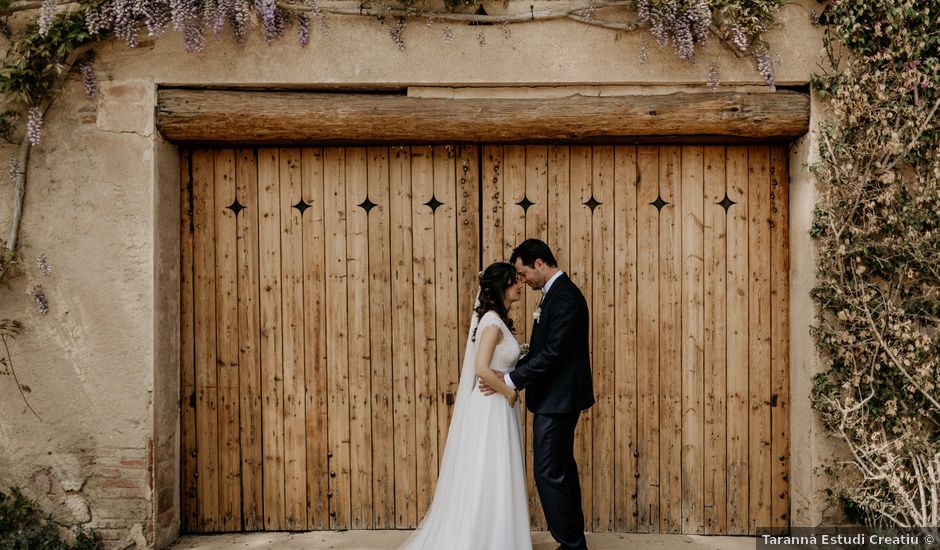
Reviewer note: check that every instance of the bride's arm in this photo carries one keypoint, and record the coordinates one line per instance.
(489, 339)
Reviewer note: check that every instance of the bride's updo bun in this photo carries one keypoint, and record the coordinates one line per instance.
(494, 280)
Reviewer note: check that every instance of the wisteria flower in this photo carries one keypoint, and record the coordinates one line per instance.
(42, 264)
(39, 296)
(34, 126)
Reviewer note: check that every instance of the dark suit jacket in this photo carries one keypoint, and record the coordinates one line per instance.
(556, 373)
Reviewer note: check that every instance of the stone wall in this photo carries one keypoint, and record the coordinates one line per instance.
(102, 206)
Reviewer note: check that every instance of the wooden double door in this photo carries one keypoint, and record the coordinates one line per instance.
(325, 300)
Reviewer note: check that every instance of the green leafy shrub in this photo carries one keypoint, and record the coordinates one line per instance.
(24, 527)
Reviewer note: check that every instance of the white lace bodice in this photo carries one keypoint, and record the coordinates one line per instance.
(507, 351)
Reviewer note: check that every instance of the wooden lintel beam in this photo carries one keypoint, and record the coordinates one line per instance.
(259, 117)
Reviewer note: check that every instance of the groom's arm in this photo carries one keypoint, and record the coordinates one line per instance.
(567, 317)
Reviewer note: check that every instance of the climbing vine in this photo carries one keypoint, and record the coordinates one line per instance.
(877, 225)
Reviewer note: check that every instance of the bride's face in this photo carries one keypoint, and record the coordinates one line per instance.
(513, 293)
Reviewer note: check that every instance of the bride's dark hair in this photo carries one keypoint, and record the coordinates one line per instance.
(494, 280)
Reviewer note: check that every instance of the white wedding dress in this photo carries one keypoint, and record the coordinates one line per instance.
(480, 501)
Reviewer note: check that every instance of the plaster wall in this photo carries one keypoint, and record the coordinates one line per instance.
(102, 205)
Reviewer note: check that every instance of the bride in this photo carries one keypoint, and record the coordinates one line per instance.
(480, 501)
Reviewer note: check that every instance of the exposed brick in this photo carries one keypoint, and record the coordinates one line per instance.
(109, 472)
(121, 482)
(137, 493)
(133, 462)
(134, 473)
(108, 462)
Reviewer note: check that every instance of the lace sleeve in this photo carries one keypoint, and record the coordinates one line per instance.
(490, 318)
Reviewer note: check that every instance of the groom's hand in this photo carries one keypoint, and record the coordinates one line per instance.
(485, 389)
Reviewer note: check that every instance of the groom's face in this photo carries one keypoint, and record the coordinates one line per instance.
(531, 276)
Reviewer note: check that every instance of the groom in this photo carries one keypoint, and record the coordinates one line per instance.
(556, 374)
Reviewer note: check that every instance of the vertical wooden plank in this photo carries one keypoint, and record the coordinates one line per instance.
(693, 339)
(226, 298)
(714, 493)
(292, 321)
(737, 338)
(558, 238)
(337, 345)
(647, 358)
(759, 341)
(189, 513)
(559, 203)
(468, 237)
(249, 327)
(536, 222)
(625, 339)
(445, 265)
(380, 319)
(603, 414)
(315, 344)
(581, 272)
(425, 329)
(360, 408)
(536, 213)
(670, 329)
(536, 189)
(493, 207)
(780, 336)
(272, 375)
(403, 338)
(514, 232)
(207, 450)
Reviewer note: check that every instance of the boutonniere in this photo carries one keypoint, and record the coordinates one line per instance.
(537, 313)
(523, 350)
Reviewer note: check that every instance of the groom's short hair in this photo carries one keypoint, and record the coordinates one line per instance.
(533, 249)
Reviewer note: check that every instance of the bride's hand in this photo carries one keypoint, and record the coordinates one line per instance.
(512, 398)
(485, 388)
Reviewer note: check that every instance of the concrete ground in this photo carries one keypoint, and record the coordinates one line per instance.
(384, 540)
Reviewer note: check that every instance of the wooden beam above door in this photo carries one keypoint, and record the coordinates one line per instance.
(263, 117)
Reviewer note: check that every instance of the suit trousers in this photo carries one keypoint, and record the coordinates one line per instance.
(556, 477)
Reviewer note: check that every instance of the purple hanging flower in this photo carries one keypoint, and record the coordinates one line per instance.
(272, 19)
(700, 18)
(396, 31)
(714, 76)
(303, 29)
(738, 38)
(213, 13)
(39, 296)
(157, 16)
(14, 167)
(765, 66)
(643, 10)
(46, 15)
(182, 13)
(89, 79)
(241, 18)
(194, 37)
(34, 126)
(42, 264)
